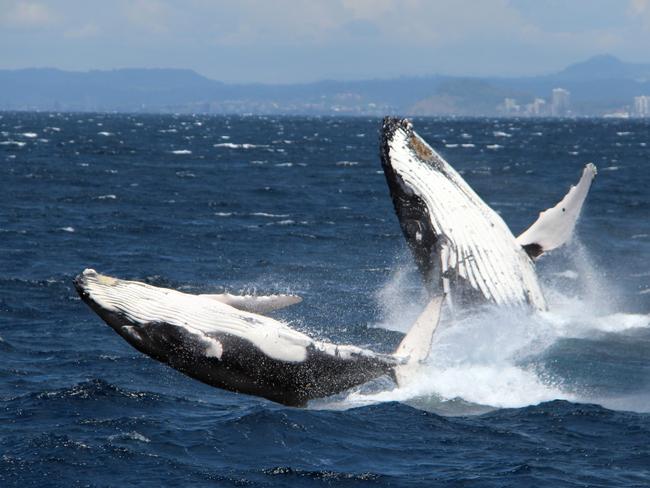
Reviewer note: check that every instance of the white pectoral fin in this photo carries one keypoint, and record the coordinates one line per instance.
(416, 345)
(554, 227)
(256, 304)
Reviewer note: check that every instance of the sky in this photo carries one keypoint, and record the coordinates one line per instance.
(284, 41)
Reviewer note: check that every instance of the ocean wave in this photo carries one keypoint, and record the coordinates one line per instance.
(232, 145)
(325, 476)
(268, 215)
(95, 389)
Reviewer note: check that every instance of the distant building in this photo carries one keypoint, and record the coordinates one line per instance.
(642, 106)
(560, 102)
(537, 108)
(509, 106)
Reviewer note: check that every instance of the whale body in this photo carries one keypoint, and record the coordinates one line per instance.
(217, 340)
(459, 243)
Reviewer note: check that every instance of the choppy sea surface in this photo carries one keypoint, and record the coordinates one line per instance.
(262, 204)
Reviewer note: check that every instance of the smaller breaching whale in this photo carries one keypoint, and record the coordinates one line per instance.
(221, 341)
(459, 243)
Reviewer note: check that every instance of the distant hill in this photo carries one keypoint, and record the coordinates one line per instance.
(605, 67)
(597, 85)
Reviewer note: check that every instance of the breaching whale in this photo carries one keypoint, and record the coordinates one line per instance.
(459, 243)
(221, 341)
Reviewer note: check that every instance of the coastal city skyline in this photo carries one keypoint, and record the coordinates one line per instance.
(560, 106)
(601, 86)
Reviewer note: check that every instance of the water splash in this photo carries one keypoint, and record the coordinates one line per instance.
(500, 358)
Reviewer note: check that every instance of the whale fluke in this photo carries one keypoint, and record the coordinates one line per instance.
(555, 226)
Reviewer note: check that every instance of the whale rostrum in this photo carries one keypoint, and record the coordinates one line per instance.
(219, 342)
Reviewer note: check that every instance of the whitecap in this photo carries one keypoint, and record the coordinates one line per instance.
(232, 145)
(499, 133)
(181, 151)
(13, 143)
(493, 146)
(285, 165)
(451, 145)
(67, 229)
(611, 168)
(269, 215)
(347, 163)
(30, 135)
(468, 145)
(107, 197)
(104, 133)
(133, 436)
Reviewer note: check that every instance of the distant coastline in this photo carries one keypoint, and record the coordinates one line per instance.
(603, 86)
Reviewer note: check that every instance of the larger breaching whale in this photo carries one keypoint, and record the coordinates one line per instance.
(221, 341)
(459, 243)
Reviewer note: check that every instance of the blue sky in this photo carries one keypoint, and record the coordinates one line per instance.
(305, 40)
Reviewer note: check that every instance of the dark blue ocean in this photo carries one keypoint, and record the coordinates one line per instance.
(206, 204)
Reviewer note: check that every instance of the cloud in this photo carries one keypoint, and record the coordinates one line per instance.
(639, 6)
(153, 16)
(289, 40)
(28, 14)
(640, 10)
(84, 32)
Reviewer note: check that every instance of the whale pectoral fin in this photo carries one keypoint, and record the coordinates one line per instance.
(554, 227)
(416, 345)
(256, 304)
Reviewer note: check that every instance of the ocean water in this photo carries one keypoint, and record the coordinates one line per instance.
(300, 205)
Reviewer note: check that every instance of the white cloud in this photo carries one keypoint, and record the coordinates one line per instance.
(153, 16)
(640, 10)
(27, 14)
(287, 40)
(85, 31)
(639, 6)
